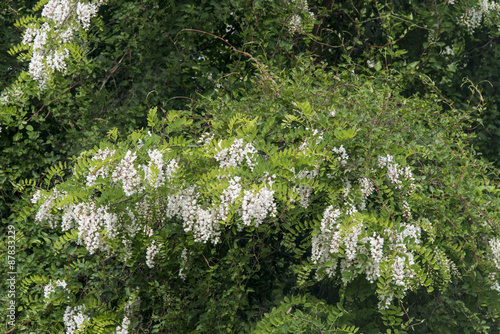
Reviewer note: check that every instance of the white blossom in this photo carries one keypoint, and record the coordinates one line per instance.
(495, 251)
(372, 271)
(90, 220)
(67, 35)
(57, 10)
(329, 221)
(153, 173)
(40, 40)
(36, 197)
(206, 138)
(51, 288)
(448, 50)
(474, 16)
(102, 171)
(126, 173)
(328, 241)
(410, 231)
(366, 188)
(123, 329)
(37, 69)
(61, 19)
(85, 11)
(57, 60)
(343, 155)
(44, 211)
(294, 24)
(234, 155)
(257, 206)
(29, 35)
(406, 210)
(398, 271)
(48, 290)
(172, 168)
(184, 262)
(202, 222)
(74, 319)
(351, 242)
(206, 227)
(229, 196)
(151, 252)
(303, 190)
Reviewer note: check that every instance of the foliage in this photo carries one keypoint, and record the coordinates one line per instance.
(254, 166)
(228, 214)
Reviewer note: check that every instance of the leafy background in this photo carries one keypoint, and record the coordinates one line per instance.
(381, 65)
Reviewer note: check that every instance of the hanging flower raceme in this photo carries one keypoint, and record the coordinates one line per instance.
(50, 41)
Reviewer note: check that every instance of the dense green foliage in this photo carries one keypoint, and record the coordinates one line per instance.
(359, 106)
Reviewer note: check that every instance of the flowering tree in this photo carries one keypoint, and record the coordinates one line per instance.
(348, 191)
(317, 199)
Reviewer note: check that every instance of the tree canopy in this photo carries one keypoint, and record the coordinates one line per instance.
(237, 166)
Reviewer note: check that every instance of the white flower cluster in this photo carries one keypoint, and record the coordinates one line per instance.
(257, 206)
(153, 172)
(133, 302)
(234, 155)
(326, 247)
(448, 50)
(303, 190)
(318, 134)
(58, 11)
(51, 288)
(402, 273)
(203, 223)
(84, 12)
(411, 231)
(203, 220)
(62, 18)
(494, 283)
(150, 210)
(351, 242)
(343, 155)
(406, 210)
(495, 251)
(151, 252)
(398, 268)
(44, 211)
(295, 23)
(99, 171)
(126, 173)
(473, 16)
(206, 138)
(229, 196)
(328, 240)
(123, 329)
(393, 172)
(89, 221)
(127, 250)
(9, 95)
(349, 204)
(74, 319)
(172, 168)
(376, 250)
(366, 188)
(333, 237)
(184, 262)
(132, 227)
